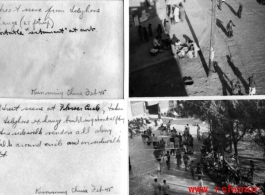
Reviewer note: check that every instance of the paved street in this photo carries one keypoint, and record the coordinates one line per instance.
(144, 165)
(237, 58)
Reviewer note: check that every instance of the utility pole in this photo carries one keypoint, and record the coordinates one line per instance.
(212, 38)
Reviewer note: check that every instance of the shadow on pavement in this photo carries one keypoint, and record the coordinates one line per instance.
(223, 78)
(205, 66)
(232, 9)
(237, 72)
(163, 79)
(219, 23)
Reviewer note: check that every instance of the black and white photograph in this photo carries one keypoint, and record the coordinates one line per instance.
(196, 147)
(196, 48)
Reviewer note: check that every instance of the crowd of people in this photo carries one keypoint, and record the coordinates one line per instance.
(175, 13)
(139, 125)
(179, 146)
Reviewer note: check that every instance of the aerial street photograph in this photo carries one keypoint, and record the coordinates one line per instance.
(196, 48)
(196, 147)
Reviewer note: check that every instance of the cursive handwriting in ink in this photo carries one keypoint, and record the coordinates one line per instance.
(87, 107)
(71, 92)
(3, 154)
(103, 130)
(76, 190)
(90, 93)
(81, 12)
(69, 107)
(101, 189)
(114, 108)
(39, 191)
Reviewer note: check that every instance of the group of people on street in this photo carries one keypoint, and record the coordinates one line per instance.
(158, 188)
(145, 32)
(175, 12)
(188, 49)
(137, 124)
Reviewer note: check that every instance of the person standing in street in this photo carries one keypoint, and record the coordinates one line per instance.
(240, 9)
(159, 34)
(172, 145)
(176, 14)
(200, 184)
(230, 28)
(157, 187)
(166, 27)
(182, 12)
(185, 159)
(178, 157)
(198, 132)
(192, 169)
(252, 85)
(146, 36)
(171, 16)
(140, 32)
(168, 160)
(165, 188)
(150, 30)
(180, 139)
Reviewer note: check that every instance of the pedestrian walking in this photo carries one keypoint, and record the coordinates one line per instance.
(252, 85)
(159, 34)
(157, 187)
(162, 145)
(198, 132)
(150, 30)
(166, 27)
(168, 8)
(192, 169)
(240, 9)
(182, 12)
(185, 159)
(230, 28)
(178, 157)
(171, 16)
(172, 145)
(187, 130)
(168, 160)
(176, 14)
(145, 33)
(200, 185)
(180, 139)
(141, 33)
(165, 188)
(158, 161)
(220, 4)
(191, 141)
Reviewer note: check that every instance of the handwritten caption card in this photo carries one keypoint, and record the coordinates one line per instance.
(61, 49)
(61, 147)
